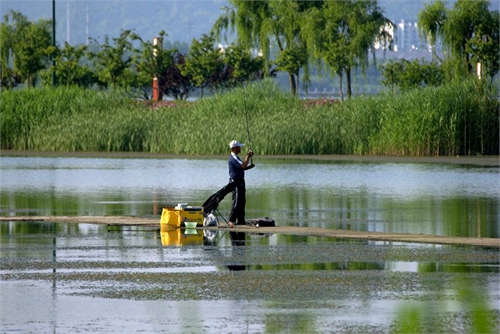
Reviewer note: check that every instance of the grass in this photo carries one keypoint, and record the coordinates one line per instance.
(450, 120)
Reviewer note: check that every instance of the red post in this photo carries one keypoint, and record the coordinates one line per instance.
(157, 96)
(156, 90)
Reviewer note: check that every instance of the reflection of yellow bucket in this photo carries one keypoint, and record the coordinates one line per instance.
(178, 237)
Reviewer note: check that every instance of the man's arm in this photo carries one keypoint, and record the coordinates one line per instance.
(246, 164)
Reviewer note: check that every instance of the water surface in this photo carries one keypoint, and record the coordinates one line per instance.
(66, 277)
(441, 199)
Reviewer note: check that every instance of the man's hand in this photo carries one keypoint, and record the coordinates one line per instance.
(250, 153)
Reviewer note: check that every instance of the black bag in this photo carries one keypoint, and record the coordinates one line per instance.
(261, 222)
(212, 203)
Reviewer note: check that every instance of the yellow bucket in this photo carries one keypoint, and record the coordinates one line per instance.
(176, 216)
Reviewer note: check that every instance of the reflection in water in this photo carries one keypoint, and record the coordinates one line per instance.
(238, 241)
(283, 283)
(180, 237)
(177, 237)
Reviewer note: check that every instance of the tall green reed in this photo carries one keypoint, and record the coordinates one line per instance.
(459, 119)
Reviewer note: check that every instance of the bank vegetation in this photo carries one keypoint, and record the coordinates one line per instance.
(454, 119)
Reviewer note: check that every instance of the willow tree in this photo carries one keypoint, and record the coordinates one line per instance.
(342, 34)
(262, 24)
(469, 32)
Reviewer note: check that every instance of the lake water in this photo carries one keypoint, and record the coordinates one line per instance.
(58, 277)
(436, 199)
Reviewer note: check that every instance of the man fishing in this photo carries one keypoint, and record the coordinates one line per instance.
(236, 183)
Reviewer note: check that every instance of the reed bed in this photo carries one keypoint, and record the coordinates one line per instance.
(450, 120)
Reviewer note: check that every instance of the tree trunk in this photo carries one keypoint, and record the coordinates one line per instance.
(341, 87)
(293, 85)
(348, 81)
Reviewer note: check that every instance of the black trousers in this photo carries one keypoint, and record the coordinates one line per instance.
(237, 187)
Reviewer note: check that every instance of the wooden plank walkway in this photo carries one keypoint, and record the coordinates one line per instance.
(290, 230)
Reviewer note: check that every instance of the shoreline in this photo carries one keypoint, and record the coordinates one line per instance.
(492, 161)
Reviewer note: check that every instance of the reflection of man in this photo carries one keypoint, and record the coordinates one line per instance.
(237, 240)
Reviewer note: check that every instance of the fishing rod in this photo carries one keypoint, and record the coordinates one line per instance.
(246, 117)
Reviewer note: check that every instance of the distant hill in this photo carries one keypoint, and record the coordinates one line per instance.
(183, 20)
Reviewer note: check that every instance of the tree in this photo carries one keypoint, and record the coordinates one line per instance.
(485, 44)
(260, 24)
(291, 60)
(342, 33)
(392, 73)
(26, 46)
(431, 21)
(414, 74)
(174, 83)
(469, 32)
(153, 61)
(204, 63)
(112, 63)
(241, 66)
(69, 69)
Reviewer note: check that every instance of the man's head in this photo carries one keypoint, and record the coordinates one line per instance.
(235, 146)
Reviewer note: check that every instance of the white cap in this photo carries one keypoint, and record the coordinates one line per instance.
(235, 143)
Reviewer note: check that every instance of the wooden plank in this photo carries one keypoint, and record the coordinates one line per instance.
(290, 230)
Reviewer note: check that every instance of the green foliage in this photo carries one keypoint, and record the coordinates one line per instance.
(431, 21)
(469, 32)
(112, 62)
(70, 69)
(154, 61)
(450, 120)
(343, 32)
(27, 45)
(410, 75)
(242, 65)
(204, 64)
(260, 24)
(292, 59)
(215, 68)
